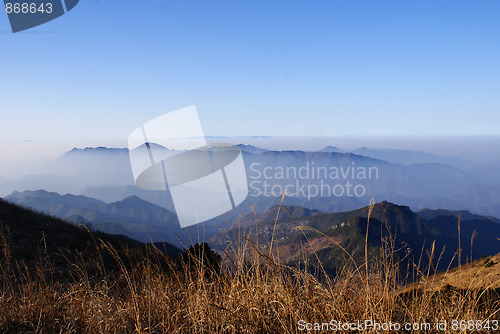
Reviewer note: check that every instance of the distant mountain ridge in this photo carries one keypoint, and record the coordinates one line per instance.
(399, 156)
(92, 150)
(463, 214)
(408, 157)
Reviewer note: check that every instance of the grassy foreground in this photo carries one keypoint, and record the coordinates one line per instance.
(251, 292)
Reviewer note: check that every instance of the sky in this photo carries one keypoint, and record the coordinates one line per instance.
(254, 68)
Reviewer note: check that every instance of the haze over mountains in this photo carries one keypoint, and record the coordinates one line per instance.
(417, 179)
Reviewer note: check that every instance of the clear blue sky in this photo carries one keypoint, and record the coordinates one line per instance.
(252, 67)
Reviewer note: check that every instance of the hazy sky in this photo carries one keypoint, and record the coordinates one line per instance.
(252, 67)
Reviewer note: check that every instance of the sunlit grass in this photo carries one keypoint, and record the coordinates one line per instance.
(251, 292)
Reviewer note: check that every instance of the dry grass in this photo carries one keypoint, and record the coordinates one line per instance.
(156, 294)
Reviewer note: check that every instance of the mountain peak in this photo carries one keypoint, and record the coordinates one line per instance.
(386, 206)
(134, 201)
(133, 198)
(332, 149)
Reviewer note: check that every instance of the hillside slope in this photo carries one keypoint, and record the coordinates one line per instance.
(38, 239)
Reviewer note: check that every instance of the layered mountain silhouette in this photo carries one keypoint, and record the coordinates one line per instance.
(417, 179)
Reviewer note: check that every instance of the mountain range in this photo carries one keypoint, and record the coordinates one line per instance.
(329, 237)
(416, 179)
(132, 216)
(301, 234)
